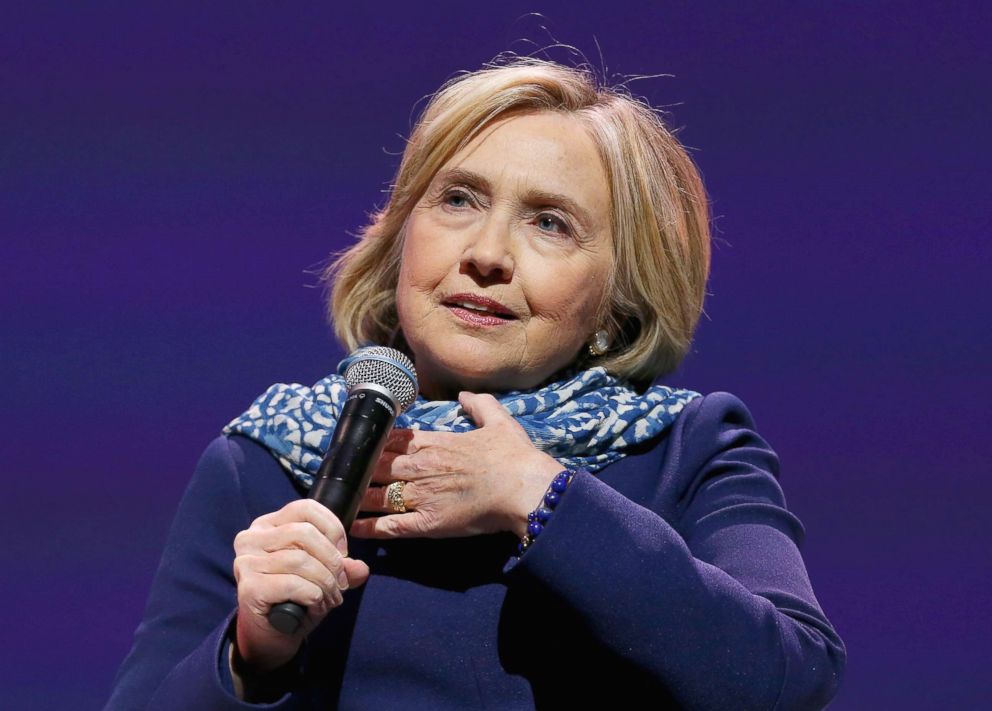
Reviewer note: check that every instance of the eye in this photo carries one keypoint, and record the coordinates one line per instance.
(549, 222)
(457, 199)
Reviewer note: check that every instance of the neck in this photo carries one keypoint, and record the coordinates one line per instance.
(447, 389)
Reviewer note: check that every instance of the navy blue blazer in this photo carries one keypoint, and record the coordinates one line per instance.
(673, 575)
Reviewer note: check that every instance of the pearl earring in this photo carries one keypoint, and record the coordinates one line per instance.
(600, 343)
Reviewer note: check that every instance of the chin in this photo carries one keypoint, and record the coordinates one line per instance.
(452, 381)
(451, 365)
(447, 379)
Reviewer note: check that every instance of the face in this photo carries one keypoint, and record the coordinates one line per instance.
(506, 258)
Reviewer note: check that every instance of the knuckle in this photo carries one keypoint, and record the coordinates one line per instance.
(390, 525)
(301, 531)
(297, 505)
(245, 566)
(415, 464)
(248, 590)
(409, 496)
(312, 505)
(428, 488)
(301, 508)
(426, 462)
(320, 608)
(425, 522)
(314, 595)
(300, 589)
(297, 559)
(336, 564)
(249, 583)
(257, 525)
(260, 522)
(310, 535)
(337, 532)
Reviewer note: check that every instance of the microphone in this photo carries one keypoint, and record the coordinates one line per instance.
(382, 383)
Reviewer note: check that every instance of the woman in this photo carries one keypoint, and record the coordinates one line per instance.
(545, 526)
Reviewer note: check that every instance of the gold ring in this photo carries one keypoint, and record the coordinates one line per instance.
(394, 495)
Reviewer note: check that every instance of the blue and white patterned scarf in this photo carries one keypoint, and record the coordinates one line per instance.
(587, 420)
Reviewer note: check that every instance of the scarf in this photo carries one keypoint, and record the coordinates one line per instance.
(586, 420)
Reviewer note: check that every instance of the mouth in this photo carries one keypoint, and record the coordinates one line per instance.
(479, 310)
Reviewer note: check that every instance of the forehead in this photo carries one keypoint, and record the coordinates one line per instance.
(541, 152)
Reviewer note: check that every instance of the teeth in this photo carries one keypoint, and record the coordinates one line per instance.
(473, 307)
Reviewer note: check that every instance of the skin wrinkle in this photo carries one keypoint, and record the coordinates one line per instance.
(537, 273)
(490, 243)
(580, 221)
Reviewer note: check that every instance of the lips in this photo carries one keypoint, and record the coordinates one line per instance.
(478, 309)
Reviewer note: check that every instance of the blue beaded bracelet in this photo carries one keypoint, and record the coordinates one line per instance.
(538, 518)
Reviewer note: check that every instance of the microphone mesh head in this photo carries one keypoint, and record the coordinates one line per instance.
(386, 367)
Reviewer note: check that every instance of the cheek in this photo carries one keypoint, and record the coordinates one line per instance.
(411, 278)
(421, 272)
(423, 261)
(404, 293)
(572, 298)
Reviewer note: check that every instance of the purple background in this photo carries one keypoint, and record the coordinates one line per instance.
(170, 178)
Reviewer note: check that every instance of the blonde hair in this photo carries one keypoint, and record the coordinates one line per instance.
(659, 214)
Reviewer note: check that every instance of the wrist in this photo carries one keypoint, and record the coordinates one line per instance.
(539, 517)
(236, 681)
(256, 685)
(530, 493)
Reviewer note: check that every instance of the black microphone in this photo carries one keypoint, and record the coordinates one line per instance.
(382, 382)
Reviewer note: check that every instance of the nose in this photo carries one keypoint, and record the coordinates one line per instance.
(488, 254)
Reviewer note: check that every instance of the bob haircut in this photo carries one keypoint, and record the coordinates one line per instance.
(659, 214)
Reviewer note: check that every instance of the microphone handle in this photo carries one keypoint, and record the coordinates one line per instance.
(359, 436)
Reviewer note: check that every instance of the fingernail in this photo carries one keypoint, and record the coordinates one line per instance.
(343, 580)
(342, 546)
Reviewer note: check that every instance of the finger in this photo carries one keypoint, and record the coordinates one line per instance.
(398, 440)
(383, 471)
(394, 466)
(404, 525)
(297, 535)
(483, 408)
(412, 441)
(357, 571)
(311, 512)
(428, 462)
(376, 498)
(293, 562)
(263, 591)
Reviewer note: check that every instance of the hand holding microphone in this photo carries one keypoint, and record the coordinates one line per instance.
(296, 553)
(292, 564)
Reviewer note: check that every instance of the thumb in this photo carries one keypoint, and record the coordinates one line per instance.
(357, 571)
(484, 409)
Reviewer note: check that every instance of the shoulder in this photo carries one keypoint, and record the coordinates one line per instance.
(705, 424)
(719, 454)
(713, 420)
(714, 410)
(262, 483)
(716, 437)
(662, 471)
(236, 474)
(718, 422)
(216, 458)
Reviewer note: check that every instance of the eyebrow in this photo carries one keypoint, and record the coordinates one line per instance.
(532, 197)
